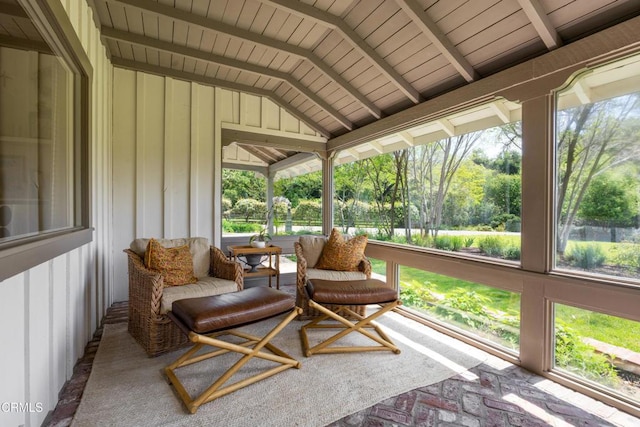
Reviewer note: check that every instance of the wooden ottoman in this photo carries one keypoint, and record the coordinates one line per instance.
(342, 295)
(205, 319)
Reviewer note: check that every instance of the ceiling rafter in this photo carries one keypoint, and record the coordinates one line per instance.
(444, 45)
(582, 92)
(263, 153)
(447, 126)
(14, 10)
(501, 111)
(292, 161)
(377, 147)
(273, 141)
(160, 45)
(407, 138)
(210, 81)
(335, 23)
(540, 21)
(229, 30)
(17, 43)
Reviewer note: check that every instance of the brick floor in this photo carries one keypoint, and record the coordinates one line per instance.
(495, 393)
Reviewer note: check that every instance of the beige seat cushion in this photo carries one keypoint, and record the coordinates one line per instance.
(205, 287)
(312, 248)
(198, 246)
(315, 273)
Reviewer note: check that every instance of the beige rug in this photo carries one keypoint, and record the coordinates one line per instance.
(126, 388)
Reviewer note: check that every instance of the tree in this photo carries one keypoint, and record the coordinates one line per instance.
(249, 208)
(381, 174)
(466, 194)
(610, 202)
(301, 187)
(505, 192)
(308, 211)
(350, 189)
(433, 167)
(591, 139)
(237, 184)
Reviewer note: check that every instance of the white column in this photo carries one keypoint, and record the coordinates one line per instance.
(327, 195)
(270, 179)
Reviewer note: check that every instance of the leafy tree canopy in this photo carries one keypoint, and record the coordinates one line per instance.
(610, 200)
(238, 184)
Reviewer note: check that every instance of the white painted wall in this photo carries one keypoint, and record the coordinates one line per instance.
(49, 313)
(167, 156)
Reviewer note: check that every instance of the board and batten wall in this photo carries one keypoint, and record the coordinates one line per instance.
(49, 313)
(167, 156)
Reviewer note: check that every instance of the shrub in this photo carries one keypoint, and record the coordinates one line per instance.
(512, 253)
(627, 255)
(308, 211)
(249, 208)
(416, 296)
(448, 243)
(240, 227)
(468, 241)
(578, 357)
(586, 257)
(491, 245)
(464, 306)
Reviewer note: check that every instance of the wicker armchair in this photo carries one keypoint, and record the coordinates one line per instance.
(148, 321)
(308, 250)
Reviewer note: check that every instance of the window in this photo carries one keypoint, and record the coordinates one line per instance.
(459, 193)
(244, 208)
(296, 206)
(598, 348)
(44, 138)
(598, 172)
(37, 144)
(488, 313)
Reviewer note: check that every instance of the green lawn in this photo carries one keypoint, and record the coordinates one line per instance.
(610, 329)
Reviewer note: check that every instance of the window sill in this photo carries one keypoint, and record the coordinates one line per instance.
(20, 258)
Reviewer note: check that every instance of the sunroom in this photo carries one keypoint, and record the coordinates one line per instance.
(508, 134)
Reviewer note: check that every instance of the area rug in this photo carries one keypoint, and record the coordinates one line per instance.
(126, 388)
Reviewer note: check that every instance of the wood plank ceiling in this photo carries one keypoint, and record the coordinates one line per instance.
(339, 64)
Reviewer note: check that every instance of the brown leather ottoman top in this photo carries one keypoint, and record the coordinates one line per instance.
(224, 311)
(350, 292)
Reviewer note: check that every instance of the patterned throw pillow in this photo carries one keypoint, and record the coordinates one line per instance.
(175, 264)
(340, 254)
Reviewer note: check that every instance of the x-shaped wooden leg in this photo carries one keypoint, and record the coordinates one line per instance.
(348, 327)
(250, 348)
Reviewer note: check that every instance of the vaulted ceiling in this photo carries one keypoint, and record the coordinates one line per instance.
(341, 64)
(338, 65)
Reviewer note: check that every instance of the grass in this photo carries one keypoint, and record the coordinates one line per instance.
(610, 329)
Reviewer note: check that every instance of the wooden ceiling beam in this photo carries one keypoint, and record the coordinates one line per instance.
(25, 44)
(207, 24)
(209, 81)
(292, 161)
(540, 21)
(273, 141)
(196, 54)
(259, 152)
(335, 23)
(437, 37)
(14, 10)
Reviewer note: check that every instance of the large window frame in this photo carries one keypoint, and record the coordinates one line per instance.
(541, 286)
(21, 254)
